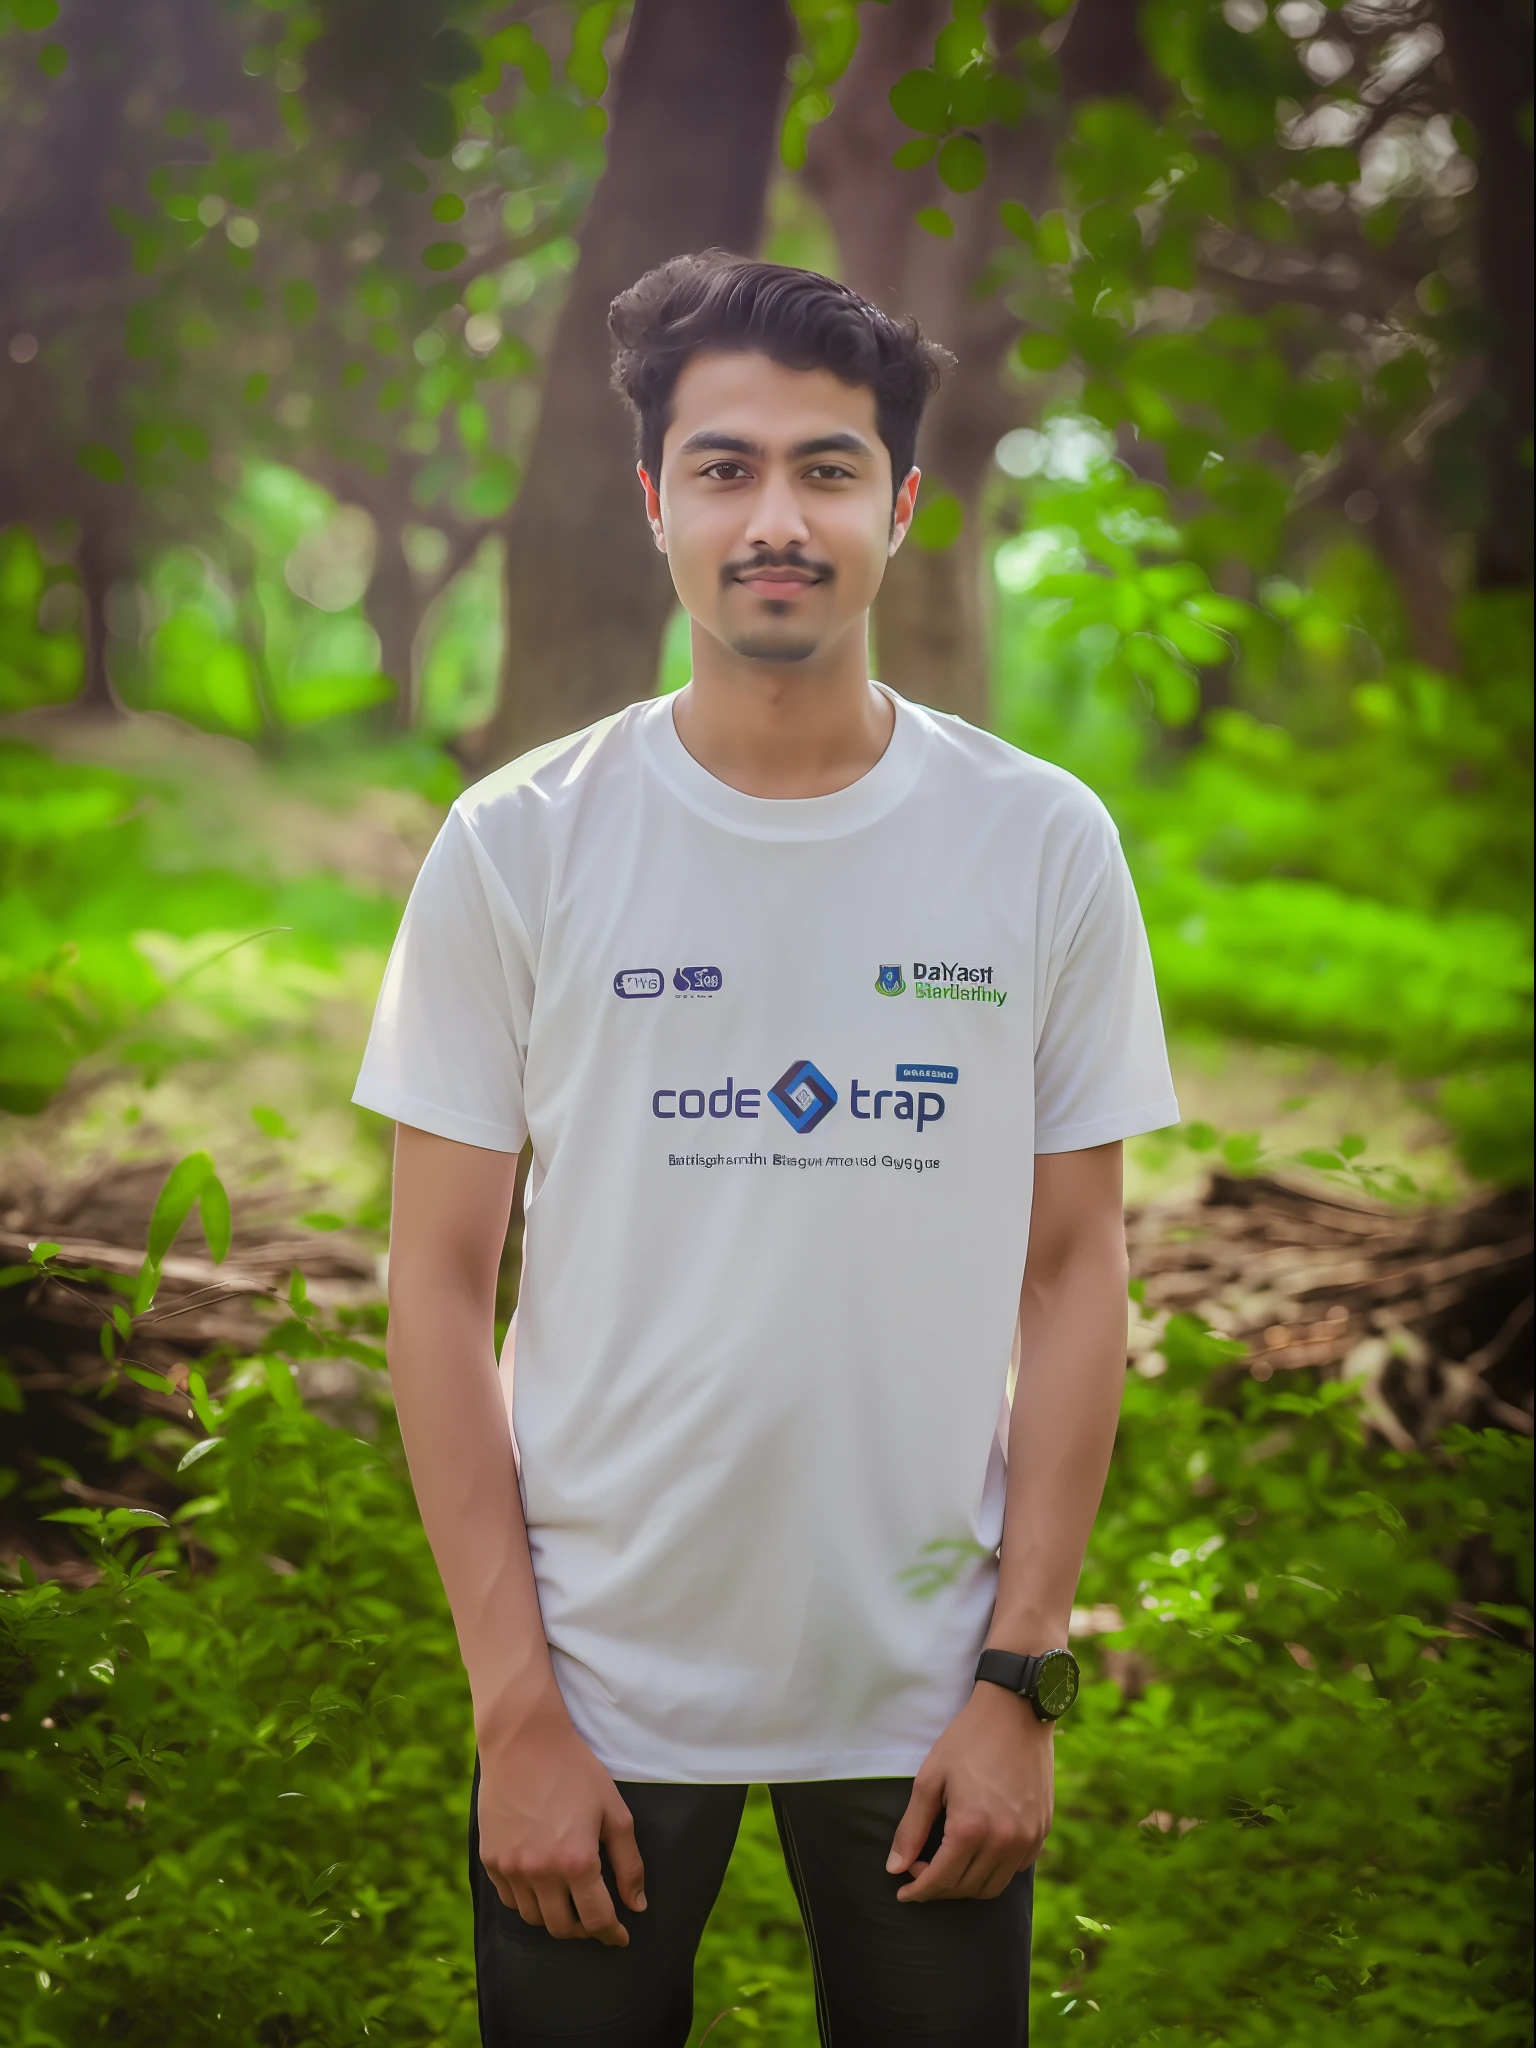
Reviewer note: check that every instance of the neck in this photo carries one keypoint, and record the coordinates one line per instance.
(804, 729)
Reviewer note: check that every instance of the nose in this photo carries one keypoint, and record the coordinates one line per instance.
(776, 520)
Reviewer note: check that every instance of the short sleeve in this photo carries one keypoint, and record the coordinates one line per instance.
(450, 1033)
(1101, 1065)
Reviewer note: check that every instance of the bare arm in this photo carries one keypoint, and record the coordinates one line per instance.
(991, 1771)
(545, 1800)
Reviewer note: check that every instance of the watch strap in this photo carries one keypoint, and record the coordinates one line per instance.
(1009, 1670)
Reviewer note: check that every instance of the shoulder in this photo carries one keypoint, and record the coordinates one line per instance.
(539, 786)
(1013, 789)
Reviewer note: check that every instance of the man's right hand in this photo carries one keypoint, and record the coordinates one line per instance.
(546, 1805)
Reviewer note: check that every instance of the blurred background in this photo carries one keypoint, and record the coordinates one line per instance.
(315, 505)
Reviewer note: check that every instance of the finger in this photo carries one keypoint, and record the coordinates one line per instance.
(556, 1910)
(944, 1875)
(524, 1901)
(618, 1837)
(916, 1824)
(595, 1905)
(506, 1890)
(990, 1877)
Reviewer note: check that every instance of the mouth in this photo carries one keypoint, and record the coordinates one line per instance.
(778, 582)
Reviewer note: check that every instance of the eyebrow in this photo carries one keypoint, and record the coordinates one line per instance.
(709, 441)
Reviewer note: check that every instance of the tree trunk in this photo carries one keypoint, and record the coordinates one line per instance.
(690, 148)
(97, 698)
(393, 609)
(931, 620)
(1490, 52)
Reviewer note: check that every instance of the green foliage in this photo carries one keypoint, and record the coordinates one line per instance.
(1343, 857)
(39, 663)
(118, 941)
(236, 1764)
(244, 1818)
(1310, 1819)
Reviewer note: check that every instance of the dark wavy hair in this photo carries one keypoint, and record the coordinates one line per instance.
(716, 301)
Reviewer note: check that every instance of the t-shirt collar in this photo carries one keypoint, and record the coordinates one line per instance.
(862, 803)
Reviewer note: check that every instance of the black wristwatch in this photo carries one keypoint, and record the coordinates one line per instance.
(1049, 1682)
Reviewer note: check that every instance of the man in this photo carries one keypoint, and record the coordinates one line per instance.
(820, 1011)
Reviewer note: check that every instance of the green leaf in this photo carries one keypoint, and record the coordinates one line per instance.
(443, 255)
(183, 1185)
(44, 1250)
(1052, 242)
(198, 1452)
(213, 1204)
(272, 1122)
(939, 522)
(587, 67)
(156, 1382)
(53, 60)
(101, 462)
(33, 15)
(962, 163)
(1351, 1145)
(447, 206)
(202, 1406)
(914, 154)
(281, 1383)
(1198, 643)
(919, 100)
(1018, 220)
(933, 220)
(960, 44)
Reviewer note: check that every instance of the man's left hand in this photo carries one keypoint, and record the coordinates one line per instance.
(991, 1773)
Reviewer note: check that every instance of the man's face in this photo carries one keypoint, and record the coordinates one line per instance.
(774, 505)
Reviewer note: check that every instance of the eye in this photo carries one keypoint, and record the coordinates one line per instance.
(829, 472)
(724, 472)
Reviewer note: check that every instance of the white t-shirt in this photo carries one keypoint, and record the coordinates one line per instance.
(785, 1066)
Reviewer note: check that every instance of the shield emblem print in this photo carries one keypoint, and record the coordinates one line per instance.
(890, 981)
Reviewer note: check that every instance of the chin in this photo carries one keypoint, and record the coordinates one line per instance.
(773, 647)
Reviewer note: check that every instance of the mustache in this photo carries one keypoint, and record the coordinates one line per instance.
(769, 558)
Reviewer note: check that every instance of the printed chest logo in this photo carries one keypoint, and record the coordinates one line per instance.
(804, 1097)
(634, 983)
(941, 981)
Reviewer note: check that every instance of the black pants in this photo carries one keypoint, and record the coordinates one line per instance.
(950, 1974)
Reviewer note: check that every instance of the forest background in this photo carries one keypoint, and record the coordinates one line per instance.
(314, 504)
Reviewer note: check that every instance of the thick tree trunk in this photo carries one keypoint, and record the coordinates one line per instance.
(930, 621)
(1490, 52)
(692, 140)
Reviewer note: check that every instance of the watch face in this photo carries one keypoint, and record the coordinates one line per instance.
(1056, 1686)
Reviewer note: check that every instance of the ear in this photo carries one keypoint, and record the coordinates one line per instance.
(653, 507)
(906, 505)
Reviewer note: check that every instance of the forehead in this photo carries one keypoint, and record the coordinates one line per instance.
(756, 399)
